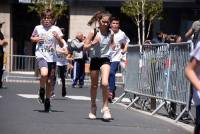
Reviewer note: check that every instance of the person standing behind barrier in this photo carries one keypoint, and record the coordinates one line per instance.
(121, 42)
(100, 41)
(160, 38)
(47, 36)
(79, 61)
(166, 38)
(194, 30)
(3, 43)
(62, 65)
(192, 72)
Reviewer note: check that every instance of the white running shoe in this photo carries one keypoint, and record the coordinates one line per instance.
(92, 116)
(106, 113)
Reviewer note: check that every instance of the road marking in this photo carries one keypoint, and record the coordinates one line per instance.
(35, 96)
(0, 96)
(73, 97)
(28, 96)
(124, 100)
(78, 97)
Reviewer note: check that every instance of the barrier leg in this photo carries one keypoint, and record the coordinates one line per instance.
(120, 98)
(179, 116)
(192, 117)
(158, 108)
(132, 102)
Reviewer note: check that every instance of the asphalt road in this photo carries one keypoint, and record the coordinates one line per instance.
(20, 113)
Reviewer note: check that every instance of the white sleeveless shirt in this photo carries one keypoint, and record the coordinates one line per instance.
(61, 58)
(103, 49)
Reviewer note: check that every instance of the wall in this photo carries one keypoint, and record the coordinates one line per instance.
(6, 29)
(79, 16)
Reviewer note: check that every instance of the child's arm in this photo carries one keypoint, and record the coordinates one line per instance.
(58, 38)
(191, 74)
(89, 41)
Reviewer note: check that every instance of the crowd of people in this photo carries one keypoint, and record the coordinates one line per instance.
(105, 46)
(192, 69)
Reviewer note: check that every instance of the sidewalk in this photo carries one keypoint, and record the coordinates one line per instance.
(21, 114)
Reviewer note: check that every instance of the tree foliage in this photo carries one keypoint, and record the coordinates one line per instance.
(132, 8)
(59, 7)
(142, 11)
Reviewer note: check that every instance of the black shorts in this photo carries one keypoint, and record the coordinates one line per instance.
(96, 63)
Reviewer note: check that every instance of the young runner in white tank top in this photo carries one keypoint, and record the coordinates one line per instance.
(101, 46)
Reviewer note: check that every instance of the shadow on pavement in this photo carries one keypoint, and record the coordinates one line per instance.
(42, 111)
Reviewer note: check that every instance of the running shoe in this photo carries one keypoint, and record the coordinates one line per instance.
(73, 86)
(80, 86)
(92, 114)
(47, 105)
(106, 113)
(41, 95)
(1, 85)
(64, 93)
(110, 97)
(53, 95)
(113, 94)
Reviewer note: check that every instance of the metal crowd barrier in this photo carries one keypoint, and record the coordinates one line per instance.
(158, 73)
(23, 69)
(24, 63)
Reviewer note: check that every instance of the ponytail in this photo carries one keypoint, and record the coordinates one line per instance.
(97, 16)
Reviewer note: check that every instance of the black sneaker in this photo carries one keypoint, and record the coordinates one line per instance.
(1, 85)
(73, 85)
(47, 105)
(80, 86)
(64, 93)
(113, 94)
(41, 95)
(110, 95)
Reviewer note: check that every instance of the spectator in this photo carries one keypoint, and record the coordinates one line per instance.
(166, 38)
(194, 30)
(79, 61)
(3, 43)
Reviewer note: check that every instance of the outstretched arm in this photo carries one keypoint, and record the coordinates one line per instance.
(59, 38)
(189, 33)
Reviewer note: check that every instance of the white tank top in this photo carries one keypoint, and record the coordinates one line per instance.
(103, 49)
